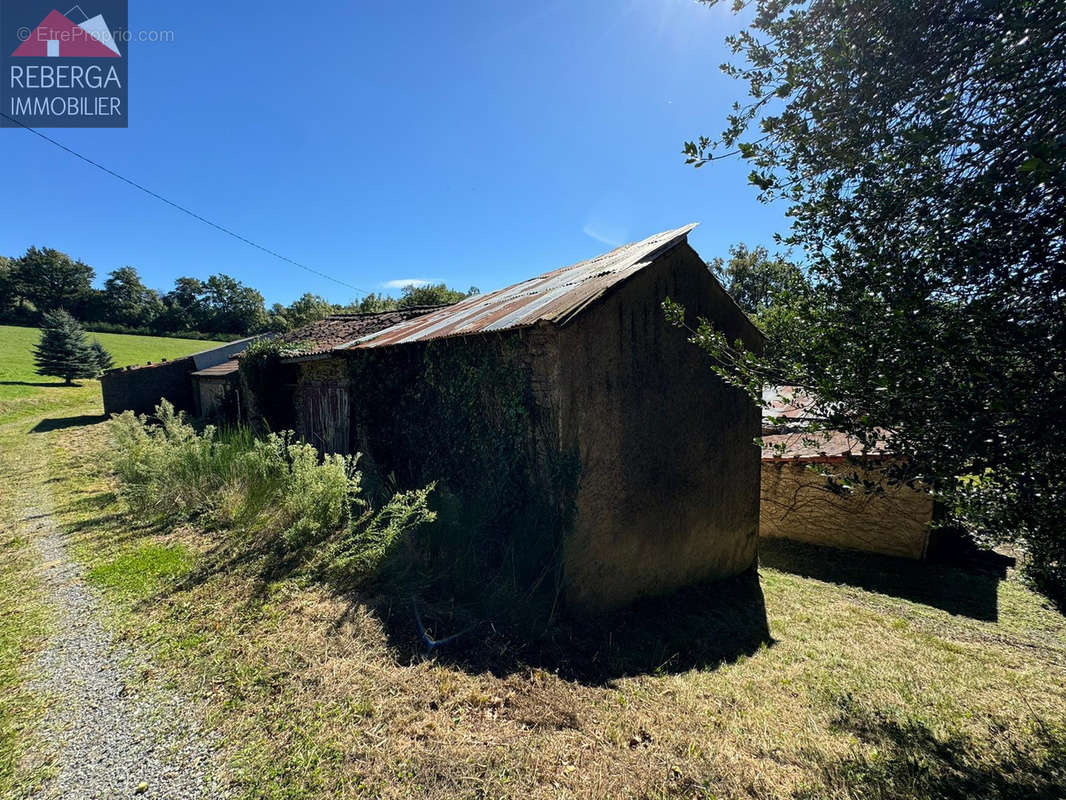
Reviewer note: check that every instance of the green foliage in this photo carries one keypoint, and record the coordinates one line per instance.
(45, 279)
(461, 414)
(63, 351)
(8, 294)
(127, 301)
(374, 303)
(307, 309)
(260, 366)
(920, 150)
(52, 280)
(273, 485)
(231, 306)
(755, 280)
(103, 359)
(433, 294)
(366, 548)
(774, 292)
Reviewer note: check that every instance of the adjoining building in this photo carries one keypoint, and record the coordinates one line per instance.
(139, 388)
(567, 416)
(805, 475)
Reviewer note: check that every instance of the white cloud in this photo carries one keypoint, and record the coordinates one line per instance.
(400, 283)
(606, 235)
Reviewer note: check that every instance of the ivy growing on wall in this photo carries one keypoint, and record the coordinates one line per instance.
(462, 412)
(262, 376)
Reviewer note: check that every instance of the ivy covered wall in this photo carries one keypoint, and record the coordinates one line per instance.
(471, 414)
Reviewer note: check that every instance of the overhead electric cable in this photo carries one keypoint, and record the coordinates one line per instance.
(182, 208)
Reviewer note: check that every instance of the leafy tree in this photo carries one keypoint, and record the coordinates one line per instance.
(63, 351)
(757, 281)
(103, 359)
(184, 308)
(127, 301)
(309, 308)
(772, 291)
(434, 294)
(51, 280)
(374, 303)
(277, 320)
(232, 307)
(919, 147)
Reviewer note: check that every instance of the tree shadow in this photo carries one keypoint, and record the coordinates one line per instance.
(40, 384)
(963, 591)
(59, 423)
(910, 760)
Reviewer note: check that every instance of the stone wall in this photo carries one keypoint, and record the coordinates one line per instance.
(798, 504)
(139, 389)
(669, 482)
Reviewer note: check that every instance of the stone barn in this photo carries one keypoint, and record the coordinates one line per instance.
(565, 416)
(799, 502)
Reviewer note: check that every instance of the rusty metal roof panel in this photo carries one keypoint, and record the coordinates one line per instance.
(557, 296)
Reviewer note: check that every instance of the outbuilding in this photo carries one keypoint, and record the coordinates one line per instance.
(585, 437)
(821, 487)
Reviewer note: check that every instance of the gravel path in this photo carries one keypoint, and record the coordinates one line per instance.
(110, 738)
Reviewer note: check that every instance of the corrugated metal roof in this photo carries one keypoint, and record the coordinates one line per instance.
(219, 370)
(556, 296)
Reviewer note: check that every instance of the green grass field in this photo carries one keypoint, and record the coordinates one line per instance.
(23, 393)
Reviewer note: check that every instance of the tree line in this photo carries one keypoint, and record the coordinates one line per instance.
(45, 280)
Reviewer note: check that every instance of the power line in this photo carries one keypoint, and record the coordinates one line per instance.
(181, 208)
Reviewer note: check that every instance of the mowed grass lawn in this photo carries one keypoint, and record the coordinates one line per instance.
(25, 393)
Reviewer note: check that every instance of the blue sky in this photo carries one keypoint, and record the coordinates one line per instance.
(476, 143)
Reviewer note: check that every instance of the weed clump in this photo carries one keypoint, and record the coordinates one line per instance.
(273, 485)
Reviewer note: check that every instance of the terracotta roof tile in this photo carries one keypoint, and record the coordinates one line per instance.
(338, 329)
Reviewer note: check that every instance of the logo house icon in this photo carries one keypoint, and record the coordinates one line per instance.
(58, 37)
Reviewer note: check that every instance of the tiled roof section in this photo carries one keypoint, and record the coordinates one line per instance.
(556, 296)
(219, 370)
(789, 402)
(816, 446)
(340, 329)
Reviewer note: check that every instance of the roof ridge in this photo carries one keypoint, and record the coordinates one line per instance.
(555, 296)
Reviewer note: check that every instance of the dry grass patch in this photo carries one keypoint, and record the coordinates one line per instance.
(859, 693)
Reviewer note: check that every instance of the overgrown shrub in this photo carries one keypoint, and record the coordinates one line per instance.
(275, 485)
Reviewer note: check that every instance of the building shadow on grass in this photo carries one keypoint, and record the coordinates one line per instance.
(964, 590)
(918, 762)
(700, 627)
(59, 423)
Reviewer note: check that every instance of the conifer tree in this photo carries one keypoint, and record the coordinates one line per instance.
(63, 351)
(103, 358)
